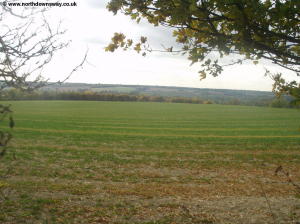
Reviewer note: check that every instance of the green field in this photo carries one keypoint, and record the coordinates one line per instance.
(122, 162)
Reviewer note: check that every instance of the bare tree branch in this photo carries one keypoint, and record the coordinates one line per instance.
(28, 42)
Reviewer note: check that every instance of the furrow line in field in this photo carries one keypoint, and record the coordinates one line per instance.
(157, 135)
(155, 122)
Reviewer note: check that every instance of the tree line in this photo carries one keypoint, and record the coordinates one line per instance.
(15, 94)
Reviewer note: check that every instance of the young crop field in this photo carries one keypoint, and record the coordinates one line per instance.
(150, 163)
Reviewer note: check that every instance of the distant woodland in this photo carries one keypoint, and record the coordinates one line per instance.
(100, 92)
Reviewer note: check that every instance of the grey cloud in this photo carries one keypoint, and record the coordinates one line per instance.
(157, 36)
(94, 40)
(97, 3)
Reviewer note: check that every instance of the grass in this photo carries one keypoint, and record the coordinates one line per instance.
(121, 162)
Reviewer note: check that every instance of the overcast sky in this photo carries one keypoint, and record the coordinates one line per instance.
(90, 25)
